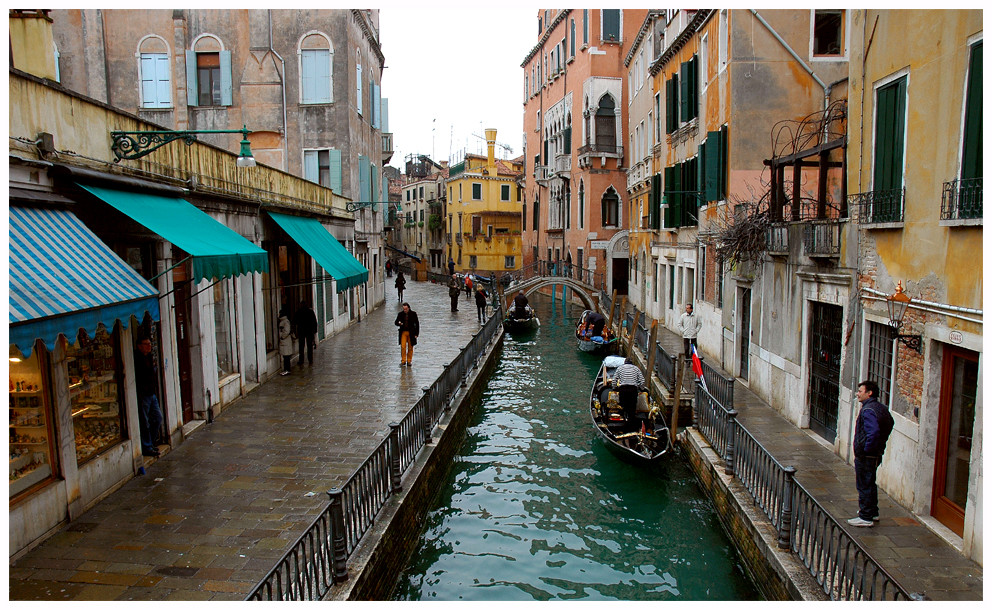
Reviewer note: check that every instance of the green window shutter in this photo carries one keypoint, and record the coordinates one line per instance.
(363, 178)
(724, 162)
(669, 196)
(226, 86)
(890, 125)
(971, 157)
(691, 184)
(693, 93)
(571, 39)
(675, 199)
(585, 26)
(655, 201)
(684, 92)
(191, 89)
(546, 153)
(568, 139)
(676, 117)
(375, 184)
(335, 170)
(711, 166)
(611, 23)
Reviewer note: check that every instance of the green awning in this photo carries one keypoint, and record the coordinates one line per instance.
(321, 245)
(217, 251)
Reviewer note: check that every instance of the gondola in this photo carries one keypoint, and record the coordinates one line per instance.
(644, 441)
(515, 322)
(587, 341)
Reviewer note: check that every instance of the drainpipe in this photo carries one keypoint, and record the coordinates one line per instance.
(826, 90)
(282, 86)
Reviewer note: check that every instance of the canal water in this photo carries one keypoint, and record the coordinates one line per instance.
(536, 508)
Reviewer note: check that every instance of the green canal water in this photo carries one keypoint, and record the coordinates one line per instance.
(536, 508)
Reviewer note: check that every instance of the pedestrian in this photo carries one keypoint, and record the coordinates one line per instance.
(305, 321)
(149, 411)
(389, 268)
(871, 431)
(480, 303)
(400, 284)
(409, 330)
(451, 266)
(520, 305)
(689, 326)
(468, 285)
(286, 338)
(454, 289)
(629, 382)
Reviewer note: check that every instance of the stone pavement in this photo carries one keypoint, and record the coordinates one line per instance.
(917, 558)
(213, 516)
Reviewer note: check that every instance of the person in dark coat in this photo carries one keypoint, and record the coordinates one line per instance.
(454, 288)
(305, 322)
(451, 266)
(871, 431)
(481, 300)
(400, 284)
(149, 411)
(409, 330)
(520, 303)
(389, 268)
(596, 321)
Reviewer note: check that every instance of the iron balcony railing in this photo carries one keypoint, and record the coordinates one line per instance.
(777, 239)
(876, 207)
(318, 558)
(822, 238)
(962, 199)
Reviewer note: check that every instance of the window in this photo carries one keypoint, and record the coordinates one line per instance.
(606, 125)
(58, 69)
(421, 192)
(585, 26)
(880, 355)
(571, 39)
(611, 208)
(523, 217)
(227, 359)
(476, 191)
(324, 168)
(364, 178)
(611, 24)
(971, 156)
(156, 81)
(509, 262)
(689, 90)
(210, 90)
(537, 210)
(681, 186)
(504, 192)
(473, 261)
(671, 104)
(582, 204)
(890, 129)
(828, 32)
(97, 360)
(315, 70)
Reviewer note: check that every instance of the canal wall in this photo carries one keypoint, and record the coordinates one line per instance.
(385, 550)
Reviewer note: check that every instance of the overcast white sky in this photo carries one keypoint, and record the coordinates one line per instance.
(453, 72)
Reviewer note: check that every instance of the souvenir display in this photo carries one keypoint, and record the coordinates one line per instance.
(93, 394)
(30, 435)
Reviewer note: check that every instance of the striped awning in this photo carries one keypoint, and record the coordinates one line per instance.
(63, 279)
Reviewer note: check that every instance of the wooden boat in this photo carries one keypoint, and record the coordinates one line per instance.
(514, 322)
(645, 440)
(603, 343)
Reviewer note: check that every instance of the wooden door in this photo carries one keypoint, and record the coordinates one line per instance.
(956, 422)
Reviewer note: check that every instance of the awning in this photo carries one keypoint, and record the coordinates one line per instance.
(321, 245)
(217, 251)
(63, 279)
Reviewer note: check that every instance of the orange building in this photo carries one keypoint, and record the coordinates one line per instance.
(575, 187)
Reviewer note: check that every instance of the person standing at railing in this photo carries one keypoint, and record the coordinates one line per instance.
(689, 326)
(871, 431)
(454, 289)
(409, 329)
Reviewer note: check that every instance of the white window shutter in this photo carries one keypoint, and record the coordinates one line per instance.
(191, 88)
(322, 76)
(335, 170)
(358, 80)
(226, 84)
(311, 171)
(148, 81)
(307, 77)
(164, 78)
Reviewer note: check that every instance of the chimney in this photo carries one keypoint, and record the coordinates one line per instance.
(490, 146)
(32, 49)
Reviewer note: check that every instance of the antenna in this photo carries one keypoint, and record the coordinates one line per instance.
(506, 147)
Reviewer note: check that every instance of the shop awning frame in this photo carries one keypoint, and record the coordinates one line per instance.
(63, 279)
(317, 241)
(218, 252)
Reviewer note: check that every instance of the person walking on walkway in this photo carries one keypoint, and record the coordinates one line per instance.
(871, 431)
(453, 291)
(468, 286)
(481, 302)
(451, 266)
(409, 330)
(389, 268)
(400, 284)
(689, 327)
(149, 411)
(306, 330)
(285, 340)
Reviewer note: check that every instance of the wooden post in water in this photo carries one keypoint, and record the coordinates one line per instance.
(677, 392)
(613, 306)
(651, 351)
(633, 332)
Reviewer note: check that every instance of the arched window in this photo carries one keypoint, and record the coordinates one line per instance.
(155, 70)
(208, 73)
(316, 56)
(611, 208)
(606, 125)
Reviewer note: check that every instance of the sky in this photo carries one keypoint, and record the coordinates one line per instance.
(452, 72)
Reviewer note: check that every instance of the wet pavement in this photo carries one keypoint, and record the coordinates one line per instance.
(920, 560)
(209, 519)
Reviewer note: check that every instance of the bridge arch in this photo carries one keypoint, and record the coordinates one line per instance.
(588, 296)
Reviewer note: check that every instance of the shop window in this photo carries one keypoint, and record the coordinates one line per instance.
(93, 366)
(31, 435)
(227, 363)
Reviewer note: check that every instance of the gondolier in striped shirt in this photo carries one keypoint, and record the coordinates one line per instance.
(629, 381)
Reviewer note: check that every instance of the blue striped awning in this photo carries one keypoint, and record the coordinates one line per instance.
(63, 279)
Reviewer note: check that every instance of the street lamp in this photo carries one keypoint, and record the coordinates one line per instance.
(897, 304)
(137, 144)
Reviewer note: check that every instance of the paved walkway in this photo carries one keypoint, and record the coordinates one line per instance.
(212, 517)
(920, 560)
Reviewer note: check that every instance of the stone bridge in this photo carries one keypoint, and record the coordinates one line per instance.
(587, 293)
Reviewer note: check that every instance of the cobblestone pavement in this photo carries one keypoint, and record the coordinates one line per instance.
(212, 517)
(918, 559)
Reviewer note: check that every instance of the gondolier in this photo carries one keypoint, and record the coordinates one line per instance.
(629, 381)
(645, 441)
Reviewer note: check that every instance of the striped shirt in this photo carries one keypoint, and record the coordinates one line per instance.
(628, 374)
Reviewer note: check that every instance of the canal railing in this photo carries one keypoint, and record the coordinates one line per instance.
(318, 559)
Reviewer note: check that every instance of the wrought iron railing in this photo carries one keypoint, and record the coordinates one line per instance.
(318, 558)
(876, 207)
(962, 199)
(822, 238)
(713, 420)
(664, 367)
(777, 239)
(721, 388)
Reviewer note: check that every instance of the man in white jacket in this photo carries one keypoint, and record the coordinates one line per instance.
(689, 325)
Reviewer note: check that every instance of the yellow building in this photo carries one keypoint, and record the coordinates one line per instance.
(484, 207)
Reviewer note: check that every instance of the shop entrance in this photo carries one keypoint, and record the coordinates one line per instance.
(824, 369)
(958, 393)
(184, 364)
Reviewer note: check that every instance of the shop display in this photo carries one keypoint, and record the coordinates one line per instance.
(93, 394)
(30, 447)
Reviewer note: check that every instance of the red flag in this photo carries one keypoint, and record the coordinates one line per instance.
(697, 368)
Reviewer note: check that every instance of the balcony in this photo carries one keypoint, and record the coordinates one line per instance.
(822, 239)
(962, 200)
(387, 147)
(563, 166)
(542, 173)
(777, 240)
(879, 207)
(604, 150)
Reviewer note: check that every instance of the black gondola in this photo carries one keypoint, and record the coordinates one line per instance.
(645, 440)
(592, 334)
(519, 321)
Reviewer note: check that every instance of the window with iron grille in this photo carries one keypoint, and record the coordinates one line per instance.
(509, 262)
(880, 355)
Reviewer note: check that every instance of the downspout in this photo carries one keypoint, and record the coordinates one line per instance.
(826, 90)
(282, 86)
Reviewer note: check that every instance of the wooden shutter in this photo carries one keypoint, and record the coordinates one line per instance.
(693, 87)
(358, 85)
(311, 170)
(611, 24)
(322, 76)
(226, 83)
(669, 180)
(724, 162)
(191, 88)
(334, 160)
(710, 154)
(378, 106)
(890, 124)
(685, 83)
(654, 202)
(375, 184)
(971, 156)
(163, 81)
(363, 178)
(568, 139)
(149, 98)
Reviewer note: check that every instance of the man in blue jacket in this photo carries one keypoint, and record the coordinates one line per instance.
(870, 434)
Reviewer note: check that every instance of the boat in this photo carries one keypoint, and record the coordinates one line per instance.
(589, 339)
(517, 322)
(644, 441)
